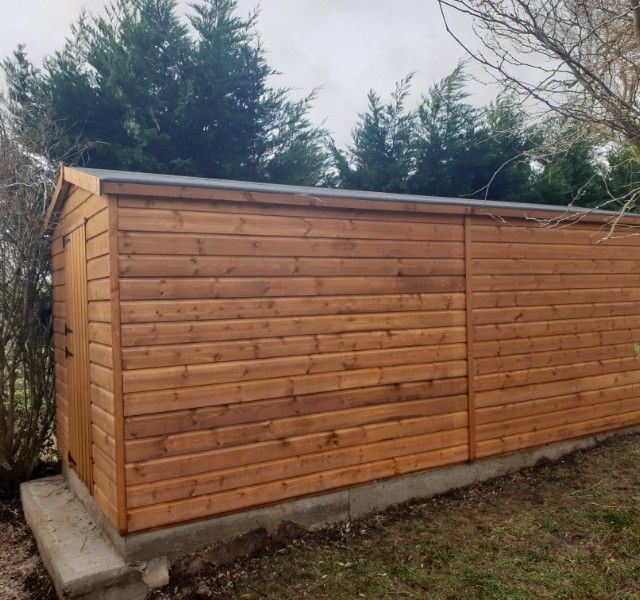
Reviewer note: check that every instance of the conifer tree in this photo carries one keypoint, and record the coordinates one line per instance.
(145, 92)
(380, 155)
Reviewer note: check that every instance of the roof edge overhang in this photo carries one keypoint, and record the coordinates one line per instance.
(67, 178)
(123, 183)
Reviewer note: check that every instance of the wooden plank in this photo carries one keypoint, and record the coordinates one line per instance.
(554, 282)
(549, 389)
(143, 311)
(287, 468)
(191, 464)
(518, 250)
(157, 220)
(237, 435)
(594, 265)
(554, 434)
(161, 514)
(172, 243)
(509, 379)
(247, 287)
(282, 266)
(116, 334)
(506, 299)
(518, 410)
(361, 213)
(242, 329)
(537, 422)
(191, 375)
(532, 360)
(215, 395)
(553, 343)
(260, 348)
(156, 424)
(554, 312)
(503, 331)
(470, 331)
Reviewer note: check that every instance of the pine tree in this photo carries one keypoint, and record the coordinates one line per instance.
(144, 92)
(445, 139)
(380, 155)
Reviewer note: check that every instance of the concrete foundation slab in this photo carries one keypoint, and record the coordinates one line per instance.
(90, 561)
(81, 561)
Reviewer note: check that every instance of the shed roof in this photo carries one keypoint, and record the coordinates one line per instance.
(111, 182)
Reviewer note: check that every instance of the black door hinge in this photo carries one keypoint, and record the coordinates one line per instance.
(67, 353)
(67, 329)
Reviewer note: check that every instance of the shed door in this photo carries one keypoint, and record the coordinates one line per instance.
(77, 352)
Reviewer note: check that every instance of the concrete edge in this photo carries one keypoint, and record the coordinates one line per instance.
(82, 492)
(116, 579)
(316, 512)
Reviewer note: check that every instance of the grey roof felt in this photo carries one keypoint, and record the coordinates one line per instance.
(105, 175)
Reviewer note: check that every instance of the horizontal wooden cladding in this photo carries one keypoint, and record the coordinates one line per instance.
(202, 374)
(510, 379)
(576, 235)
(245, 391)
(234, 456)
(482, 300)
(246, 287)
(558, 418)
(143, 311)
(554, 282)
(519, 266)
(539, 437)
(555, 252)
(160, 424)
(237, 477)
(555, 404)
(170, 243)
(214, 266)
(548, 358)
(260, 348)
(608, 377)
(201, 506)
(503, 348)
(244, 223)
(503, 331)
(235, 435)
(242, 329)
(554, 312)
(357, 212)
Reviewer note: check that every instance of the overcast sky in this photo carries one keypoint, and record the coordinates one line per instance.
(343, 47)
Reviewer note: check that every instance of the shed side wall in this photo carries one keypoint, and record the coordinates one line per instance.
(556, 314)
(83, 206)
(271, 352)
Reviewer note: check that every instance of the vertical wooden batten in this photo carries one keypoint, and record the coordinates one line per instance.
(117, 365)
(471, 399)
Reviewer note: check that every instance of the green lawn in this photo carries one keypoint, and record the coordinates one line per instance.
(564, 530)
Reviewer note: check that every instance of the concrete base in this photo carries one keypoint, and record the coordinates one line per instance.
(319, 511)
(82, 563)
(85, 564)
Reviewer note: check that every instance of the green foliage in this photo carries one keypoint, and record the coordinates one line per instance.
(446, 139)
(380, 156)
(145, 92)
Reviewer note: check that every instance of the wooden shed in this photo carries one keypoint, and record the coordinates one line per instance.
(222, 346)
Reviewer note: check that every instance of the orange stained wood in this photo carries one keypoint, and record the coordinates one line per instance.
(249, 347)
(76, 330)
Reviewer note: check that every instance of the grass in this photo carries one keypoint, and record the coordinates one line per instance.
(567, 530)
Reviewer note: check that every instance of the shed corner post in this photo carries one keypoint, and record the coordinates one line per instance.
(116, 341)
(471, 400)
